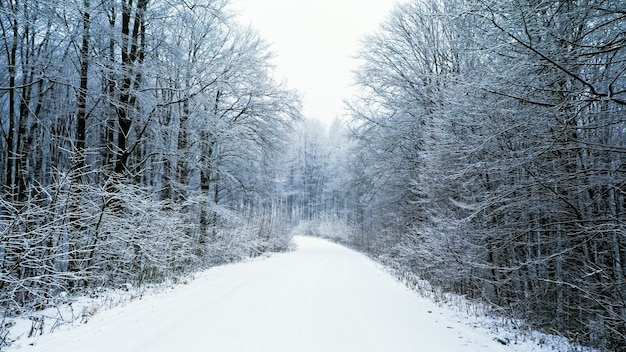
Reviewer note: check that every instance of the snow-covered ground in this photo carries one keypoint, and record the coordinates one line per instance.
(320, 297)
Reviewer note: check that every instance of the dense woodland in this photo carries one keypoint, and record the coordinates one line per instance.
(139, 140)
(490, 151)
(485, 151)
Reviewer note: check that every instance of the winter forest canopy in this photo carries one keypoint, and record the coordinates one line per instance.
(485, 151)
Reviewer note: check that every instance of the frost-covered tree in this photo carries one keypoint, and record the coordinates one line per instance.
(492, 133)
(316, 180)
(404, 83)
(139, 139)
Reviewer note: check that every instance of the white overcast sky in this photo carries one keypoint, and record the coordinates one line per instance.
(315, 42)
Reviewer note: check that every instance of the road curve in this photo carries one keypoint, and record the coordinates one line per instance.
(320, 297)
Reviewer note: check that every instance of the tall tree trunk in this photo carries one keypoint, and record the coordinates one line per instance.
(182, 145)
(11, 172)
(206, 163)
(81, 97)
(107, 136)
(133, 52)
(76, 255)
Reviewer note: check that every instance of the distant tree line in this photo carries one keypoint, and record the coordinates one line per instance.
(315, 175)
(490, 156)
(139, 140)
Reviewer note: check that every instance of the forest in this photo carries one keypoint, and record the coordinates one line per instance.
(139, 143)
(484, 151)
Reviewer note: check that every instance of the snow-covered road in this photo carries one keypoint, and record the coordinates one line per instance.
(321, 297)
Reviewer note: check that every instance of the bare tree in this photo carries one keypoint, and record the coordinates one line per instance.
(138, 143)
(493, 132)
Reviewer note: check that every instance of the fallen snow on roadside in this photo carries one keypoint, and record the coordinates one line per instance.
(320, 297)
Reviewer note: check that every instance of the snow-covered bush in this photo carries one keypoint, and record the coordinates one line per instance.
(58, 241)
(237, 237)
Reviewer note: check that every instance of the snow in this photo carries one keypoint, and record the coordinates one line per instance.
(320, 297)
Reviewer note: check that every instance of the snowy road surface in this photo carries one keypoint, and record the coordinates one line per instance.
(321, 297)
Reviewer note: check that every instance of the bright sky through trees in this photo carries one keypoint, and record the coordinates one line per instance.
(315, 42)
